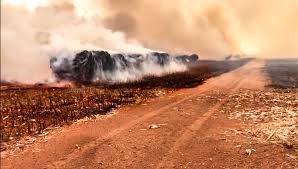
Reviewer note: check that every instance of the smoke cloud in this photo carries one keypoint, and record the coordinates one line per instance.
(29, 37)
(31, 32)
(211, 28)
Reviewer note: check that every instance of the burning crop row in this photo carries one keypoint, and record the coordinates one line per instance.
(100, 66)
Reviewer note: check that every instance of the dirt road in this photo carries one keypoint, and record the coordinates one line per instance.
(186, 129)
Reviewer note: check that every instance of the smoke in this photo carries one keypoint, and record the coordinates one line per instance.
(30, 36)
(102, 67)
(211, 28)
(31, 31)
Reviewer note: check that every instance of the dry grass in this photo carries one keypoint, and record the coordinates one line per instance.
(272, 115)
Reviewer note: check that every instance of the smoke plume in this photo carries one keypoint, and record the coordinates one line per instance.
(211, 28)
(31, 31)
(30, 36)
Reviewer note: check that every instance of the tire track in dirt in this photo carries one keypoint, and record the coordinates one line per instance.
(190, 132)
(117, 131)
(252, 69)
(157, 142)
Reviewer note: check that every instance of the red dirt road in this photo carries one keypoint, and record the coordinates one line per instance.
(190, 133)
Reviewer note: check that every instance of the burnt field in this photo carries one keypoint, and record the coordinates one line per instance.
(29, 109)
(283, 73)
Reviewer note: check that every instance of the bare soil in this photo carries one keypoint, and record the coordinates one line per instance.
(213, 125)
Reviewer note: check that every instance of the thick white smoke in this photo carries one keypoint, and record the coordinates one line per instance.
(108, 67)
(147, 68)
(30, 34)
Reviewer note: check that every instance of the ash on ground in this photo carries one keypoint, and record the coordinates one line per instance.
(272, 115)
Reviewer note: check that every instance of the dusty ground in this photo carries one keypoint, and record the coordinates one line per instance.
(231, 121)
